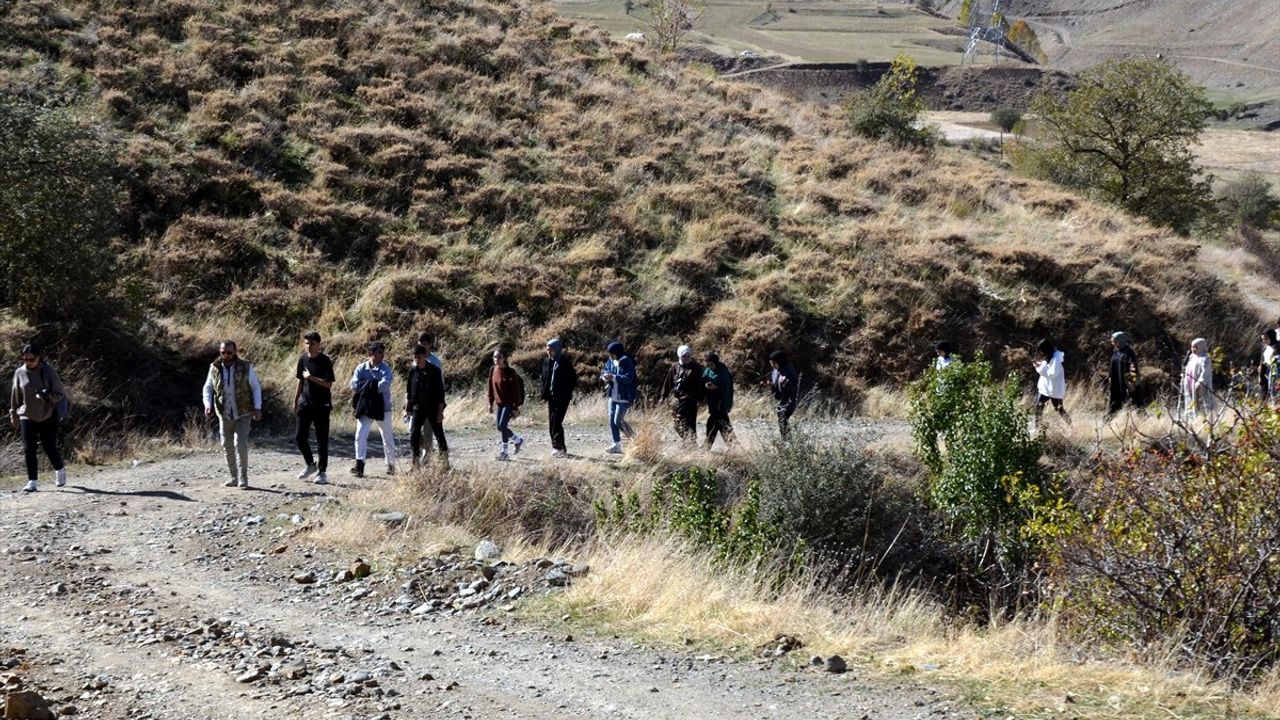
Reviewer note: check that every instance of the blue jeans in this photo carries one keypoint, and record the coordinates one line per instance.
(617, 420)
(502, 415)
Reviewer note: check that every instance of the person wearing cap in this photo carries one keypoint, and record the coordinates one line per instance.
(559, 380)
(718, 382)
(1123, 373)
(684, 386)
(371, 394)
(233, 393)
(784, 382)
(619, 378)
(1197, 381)
(33, 403)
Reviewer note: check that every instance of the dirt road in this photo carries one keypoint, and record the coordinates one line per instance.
(154, 592)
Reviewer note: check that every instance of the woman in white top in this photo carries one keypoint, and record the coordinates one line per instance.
(1197, 381)
(1051, 383)
(943, 349)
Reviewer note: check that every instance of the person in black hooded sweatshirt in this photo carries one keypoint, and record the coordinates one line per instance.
(784, 381)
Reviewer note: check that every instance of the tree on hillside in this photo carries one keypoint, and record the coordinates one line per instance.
(1006, 119)
(1126, 131)
(58, 213)
(891, 109)
(670, 21)
(1250, 202)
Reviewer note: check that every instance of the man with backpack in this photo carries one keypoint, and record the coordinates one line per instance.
(371, 401)
(37, 405)
(233, 393)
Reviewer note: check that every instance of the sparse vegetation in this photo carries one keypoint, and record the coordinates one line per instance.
(1250, 201)
(669, 22)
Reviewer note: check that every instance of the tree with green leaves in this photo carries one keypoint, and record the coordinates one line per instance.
(891, 109)
(58, 212)
(1250, 201)
(1006, 119)
(1126, 132)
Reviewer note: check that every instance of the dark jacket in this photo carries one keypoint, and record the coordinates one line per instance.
(559, 379)
(722, 397)
(425, 389)
(367, 400)
(785, 384)
(684, 383)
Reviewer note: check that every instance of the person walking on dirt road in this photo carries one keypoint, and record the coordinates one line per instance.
(371, 397)
(559, 380)
(233, 393)
(34, 401)
(506, 395)
(313, 403)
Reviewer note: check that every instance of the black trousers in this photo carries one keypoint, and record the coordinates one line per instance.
(718, 423)
(319, 417)
(46, 434)
(686, 417)
(556, 411)
(425, 419)
(784, 419)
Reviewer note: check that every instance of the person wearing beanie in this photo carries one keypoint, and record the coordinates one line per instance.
(1051, 384)
(784, 383)
(619, 378)
(559, 380)
(718, 382)
(1197, 381)
(684, 387)
(506, 395)
(1124, 372)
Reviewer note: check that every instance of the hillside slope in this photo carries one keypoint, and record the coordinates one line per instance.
(494, 172)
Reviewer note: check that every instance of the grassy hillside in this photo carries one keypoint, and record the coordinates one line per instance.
(494, 172)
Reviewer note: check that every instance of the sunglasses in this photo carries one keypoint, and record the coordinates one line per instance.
(226, 353)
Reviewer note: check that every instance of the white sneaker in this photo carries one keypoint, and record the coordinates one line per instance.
(503, 456)
(322, 479)
(559, 453)
(60, 477)
(30, 486)
(615, 449)
(517, 442)
(307, 472)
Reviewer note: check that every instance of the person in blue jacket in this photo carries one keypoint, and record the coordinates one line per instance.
(619, 378)
(371, 396)
(719, 385)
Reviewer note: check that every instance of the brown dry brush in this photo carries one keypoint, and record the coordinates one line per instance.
(493, 172)
(1180, 538)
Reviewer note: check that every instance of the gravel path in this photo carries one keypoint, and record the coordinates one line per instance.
(154, 592)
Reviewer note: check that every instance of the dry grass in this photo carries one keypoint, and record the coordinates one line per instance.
(668, 593)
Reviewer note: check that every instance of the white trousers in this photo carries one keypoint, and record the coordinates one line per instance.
(364, 425)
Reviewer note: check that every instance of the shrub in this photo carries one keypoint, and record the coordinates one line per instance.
(1250, 201)
(58, 198)
(889, 110)
(838, 500)
(984, 465)
(1006, 119)
(1182, 539)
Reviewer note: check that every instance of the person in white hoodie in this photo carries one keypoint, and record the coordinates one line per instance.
(1197, 381)
(1051, 385)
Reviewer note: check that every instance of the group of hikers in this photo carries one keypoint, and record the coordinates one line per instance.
(233, 394)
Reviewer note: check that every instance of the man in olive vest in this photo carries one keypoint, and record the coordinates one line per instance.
(233, 392)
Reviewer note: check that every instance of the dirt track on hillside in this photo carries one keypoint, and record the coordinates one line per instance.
(146, 592)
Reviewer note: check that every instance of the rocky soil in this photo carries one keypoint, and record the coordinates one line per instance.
(154, 592)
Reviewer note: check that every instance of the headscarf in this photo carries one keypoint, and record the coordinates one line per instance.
(616, 348)
(1120, 339)
(779, 357)
(1200, 345)
(683, 351)
(555, 344)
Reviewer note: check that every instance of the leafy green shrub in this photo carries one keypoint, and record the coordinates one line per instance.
(1182, 539)
(1006, 119)
(889, 110)
(689, 503)
(1251, 201)
(58, 198)
(984, 465)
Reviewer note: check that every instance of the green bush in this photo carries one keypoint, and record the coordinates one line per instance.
(58, 209)
(1250, 201)
(1006, 119)
(984, 465)
(1182, 539)
(891, 109)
